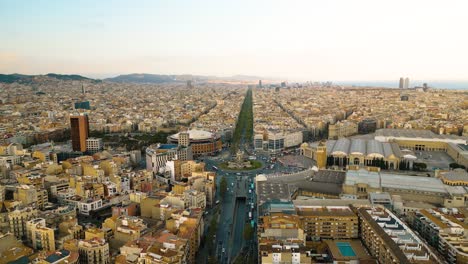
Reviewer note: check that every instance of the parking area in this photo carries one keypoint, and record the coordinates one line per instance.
(434, 159)
(296, 161)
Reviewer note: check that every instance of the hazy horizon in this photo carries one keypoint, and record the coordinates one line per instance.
(345, 41)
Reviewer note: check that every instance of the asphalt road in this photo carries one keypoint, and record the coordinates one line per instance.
(233, 217)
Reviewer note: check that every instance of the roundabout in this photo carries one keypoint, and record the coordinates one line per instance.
(252, 165)
(241, 164)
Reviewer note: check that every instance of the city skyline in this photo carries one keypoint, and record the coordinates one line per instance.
(336, 40)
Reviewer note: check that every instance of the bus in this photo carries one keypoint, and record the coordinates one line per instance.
(250, 215)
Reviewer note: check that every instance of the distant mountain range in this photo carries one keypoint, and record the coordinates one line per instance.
(21, 78)
(127, 78)
(143, 78)
(158, 78)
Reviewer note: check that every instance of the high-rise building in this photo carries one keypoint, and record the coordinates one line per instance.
(259, 83)
(189, 84)
(83, 105)
(79, 132)
(406, 86)
(402, 83)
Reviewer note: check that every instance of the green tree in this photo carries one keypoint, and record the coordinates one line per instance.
(419, 166)
(223, 187)
(248, 232)
(211, 233)
(455, 165)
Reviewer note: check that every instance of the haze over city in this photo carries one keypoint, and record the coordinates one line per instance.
(233, 132)
(293, 40)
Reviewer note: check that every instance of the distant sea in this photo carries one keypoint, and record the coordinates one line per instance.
(451, 85)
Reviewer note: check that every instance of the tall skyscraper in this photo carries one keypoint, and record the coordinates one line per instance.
(406, 86)
(189, 84)
(83, 89)
(259, 83)
(79, 132)
(402, 83)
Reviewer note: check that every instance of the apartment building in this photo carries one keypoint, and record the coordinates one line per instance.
(328, 222)
(193, 198)
(29, 195)
(445, 230)
(158, 155)
(276, 141)
(94, 145)
(18, 219)
(93, 251)
(342, 129)
(390, 240)
(40, 236)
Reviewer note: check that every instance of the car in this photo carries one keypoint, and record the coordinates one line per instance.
(224, 250)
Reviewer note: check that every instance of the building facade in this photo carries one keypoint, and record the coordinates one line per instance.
(94, 145)
(328, 222)
(79, 129)
(389, 240)
(158, 155)
(94, 251)
(444, 232)
(201, 142)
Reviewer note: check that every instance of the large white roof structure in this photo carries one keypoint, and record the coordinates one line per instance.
(365, 147)
(195, 135)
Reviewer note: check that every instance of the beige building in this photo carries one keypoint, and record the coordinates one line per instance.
(40, 236)
(94, 251)
(456, 177)
(18, 219)
(443, 231)
(128, 228)
(287, 253)
(328, 222)
(411, 188)
(29, 195)
(390, 240)
(195, 199)
(280, 226)
(342, 129)
(459, 153)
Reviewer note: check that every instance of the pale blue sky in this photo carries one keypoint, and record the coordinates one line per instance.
(305, 40)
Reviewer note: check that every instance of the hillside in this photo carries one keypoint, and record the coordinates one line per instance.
(21, 78)
(143, 78)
